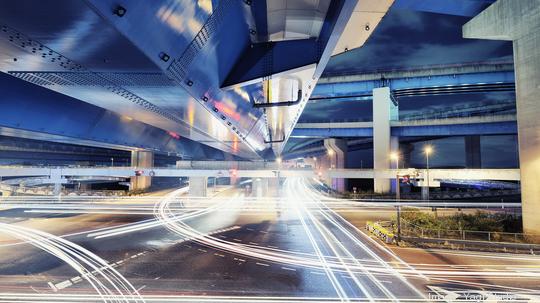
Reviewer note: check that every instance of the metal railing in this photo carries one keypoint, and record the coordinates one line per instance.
(411, 230)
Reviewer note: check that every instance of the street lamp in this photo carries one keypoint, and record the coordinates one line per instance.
(428, 150)
(112, 162)
(279, 160)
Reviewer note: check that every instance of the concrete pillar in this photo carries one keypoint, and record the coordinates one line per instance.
(337, 154)
(259, 187)
(384, 110)
(198, 186)
(473, 153)
(57, 189)
(394, 148)
(273, 187)
(406, 155)
(141, 160)
(518, 21)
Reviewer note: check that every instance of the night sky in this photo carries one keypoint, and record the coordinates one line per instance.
(406, 39)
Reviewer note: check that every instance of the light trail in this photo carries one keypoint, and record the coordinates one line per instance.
(115, 289)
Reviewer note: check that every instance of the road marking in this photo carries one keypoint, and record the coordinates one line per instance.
(263, 232)
(140, 288)
(219, 255)
(262, 264)
(253, 243)
(241, 260)
(157, 278)
(317, 273)
(202, 250)
(250, 229)
(222, 236)
(275, 247)
(237, 240)
(63, 284)
(287, 268)
(188, 246)
(52, 286)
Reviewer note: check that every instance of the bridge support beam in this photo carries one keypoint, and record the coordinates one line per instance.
(473, 154)
(518, 21)
(198, 186)
(337, 154)
(141, 160)
(384, 110)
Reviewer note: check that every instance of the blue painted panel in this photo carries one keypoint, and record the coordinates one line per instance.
(499, 128)
(449, 7)
(366, 87)
(332, 132)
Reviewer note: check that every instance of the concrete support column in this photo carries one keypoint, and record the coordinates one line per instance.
(198, 186)
(57, 189)
(518, 21)
(337, 154)
(384, 110)
(394, 148)
(259, 187)
(473, 153)
(141, 160)
(406, 154)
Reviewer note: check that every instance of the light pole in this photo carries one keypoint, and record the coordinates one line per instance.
(395, 156)
(428, 149)
(112, 162)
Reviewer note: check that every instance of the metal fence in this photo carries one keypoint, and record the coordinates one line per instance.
(411, 230)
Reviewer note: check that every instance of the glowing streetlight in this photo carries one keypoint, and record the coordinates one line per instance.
(279, 160)
(330, 152)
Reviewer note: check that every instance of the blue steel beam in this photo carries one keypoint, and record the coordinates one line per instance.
(330, 90)
(466, 8)
(495, 128)
(34, 112)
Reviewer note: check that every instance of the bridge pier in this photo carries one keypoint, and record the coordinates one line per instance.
(384, 110)
(337, 155)
(473, 154)
(141, 159)
(518, 21)
(198, 186)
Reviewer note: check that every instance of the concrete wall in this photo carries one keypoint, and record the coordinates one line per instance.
(519, 21)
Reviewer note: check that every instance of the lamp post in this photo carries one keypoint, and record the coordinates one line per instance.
(112, 162)
(427, 150)
(395, 156)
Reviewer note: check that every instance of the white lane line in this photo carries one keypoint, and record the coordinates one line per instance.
(317, 273)
(238, 259)
(157, 278)
(63, 284)
(219, 255)
(288, 268)
(253, 243)
(202, 250)
(271, 246)
(263, 232)
(237, 240)
(250, 229)
(262, 264)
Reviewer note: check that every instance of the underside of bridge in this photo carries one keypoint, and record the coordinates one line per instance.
(269, 151)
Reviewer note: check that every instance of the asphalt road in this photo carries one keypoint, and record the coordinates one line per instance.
(293, 248)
